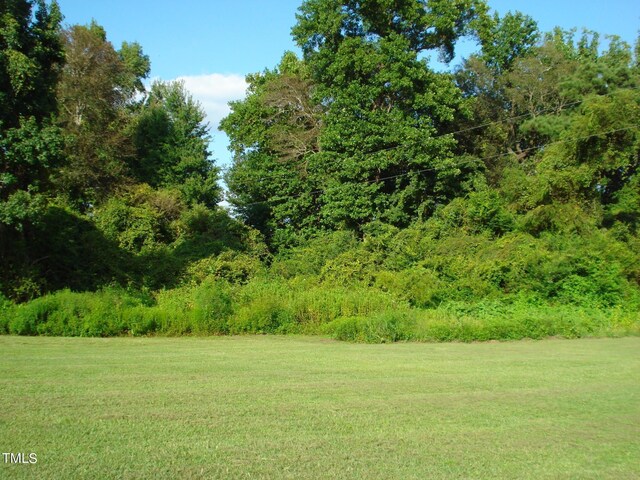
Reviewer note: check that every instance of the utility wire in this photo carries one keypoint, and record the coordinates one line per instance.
(497, 122)
(434, 169)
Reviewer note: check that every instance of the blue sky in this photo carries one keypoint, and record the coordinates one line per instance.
(212, 44)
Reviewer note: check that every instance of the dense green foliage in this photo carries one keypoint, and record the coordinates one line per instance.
(101, 181)
(363, 116)
(374, 198)
(472, 288)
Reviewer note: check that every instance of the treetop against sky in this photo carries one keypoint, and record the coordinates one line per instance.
(212, 45)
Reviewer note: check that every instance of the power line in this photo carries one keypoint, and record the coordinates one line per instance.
(498, 122)
(434, 169)
(540, 112)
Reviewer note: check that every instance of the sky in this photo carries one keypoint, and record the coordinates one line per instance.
(212, 44)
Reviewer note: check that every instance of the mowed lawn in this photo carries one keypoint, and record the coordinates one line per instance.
(307, 407)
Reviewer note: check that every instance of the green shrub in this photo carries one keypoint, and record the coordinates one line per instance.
(5, 306)
(482, 211)
(354, 267)
(347, 329)
(484, 321)
(264, 314)
(530, 288)
(231, 266)
(141, 217)
(202, 310)
(311, 257)
(159, 267)
(384, 327)
(207, 231)
(560, 219)
(317, 305)
(140, 320)
(421, 287)
(302, 306)
(500, 320)
(66, 313)
(408, 248)
(212, 308)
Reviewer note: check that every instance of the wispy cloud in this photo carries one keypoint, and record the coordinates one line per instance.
(214, 91)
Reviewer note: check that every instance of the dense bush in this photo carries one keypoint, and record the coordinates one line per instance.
(303, 306)
(310, 257)
(386, 326)
(262, 305)
(5, 305)
(499, 321)
(231, 266)
(66, 313)
(420, 286)
(438, 280)
(433, 281)
(202, 310)
(485, 321)
(212, 307)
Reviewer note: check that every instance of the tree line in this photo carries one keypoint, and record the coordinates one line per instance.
(94, 167)
(362, 129)
(511, 178)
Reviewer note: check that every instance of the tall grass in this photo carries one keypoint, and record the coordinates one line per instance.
(299, 305)
(484, 321)
(268, 306)
(214, 307)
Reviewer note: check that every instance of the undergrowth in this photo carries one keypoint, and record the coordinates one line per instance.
(358, 314)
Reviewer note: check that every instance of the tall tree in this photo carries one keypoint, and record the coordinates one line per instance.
(171, 138)
(528, 101)
(274, 133)
(506, 39)
(30, 145)
(30, 60)
(380, 151)
(97, 85)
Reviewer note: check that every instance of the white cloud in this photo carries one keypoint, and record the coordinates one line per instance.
(214, 91)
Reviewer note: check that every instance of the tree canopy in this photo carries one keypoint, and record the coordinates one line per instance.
(370, 193)
(81, 137)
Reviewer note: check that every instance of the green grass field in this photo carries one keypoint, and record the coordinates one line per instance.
(308, 407)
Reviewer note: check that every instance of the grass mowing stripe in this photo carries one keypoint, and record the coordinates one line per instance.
(302, 407)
